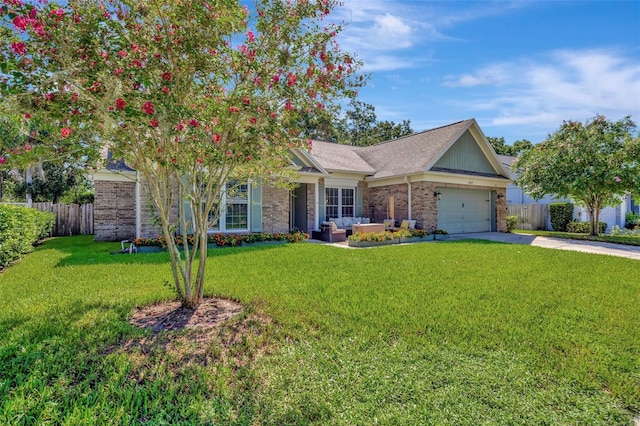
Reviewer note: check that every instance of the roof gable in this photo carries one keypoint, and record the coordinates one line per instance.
(465, 155)
(455, 148)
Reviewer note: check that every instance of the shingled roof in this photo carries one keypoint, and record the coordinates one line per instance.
(410, 154)
(336, 157)
(413, 153)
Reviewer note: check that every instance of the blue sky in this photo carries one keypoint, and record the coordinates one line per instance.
(518, 67)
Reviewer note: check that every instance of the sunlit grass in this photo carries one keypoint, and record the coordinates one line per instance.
(455, 332)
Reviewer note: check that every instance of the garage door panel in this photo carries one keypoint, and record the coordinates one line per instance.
(464, 210)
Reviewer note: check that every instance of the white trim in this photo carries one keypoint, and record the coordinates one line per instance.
(115, 175)
(307, 178)
(340, 183)
(316, 217)
(406, 179)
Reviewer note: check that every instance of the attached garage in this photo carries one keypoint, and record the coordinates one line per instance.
(464, 210)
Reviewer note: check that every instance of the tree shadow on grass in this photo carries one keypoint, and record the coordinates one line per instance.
(85, 356)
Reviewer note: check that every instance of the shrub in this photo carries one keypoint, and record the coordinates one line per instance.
(632, 220)
(512, 222)
(372, 236)
(20, 229)
(561, 214)
(585, 227)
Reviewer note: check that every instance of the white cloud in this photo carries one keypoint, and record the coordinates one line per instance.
(558, 86)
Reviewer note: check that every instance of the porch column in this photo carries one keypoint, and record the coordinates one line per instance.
(316, 203)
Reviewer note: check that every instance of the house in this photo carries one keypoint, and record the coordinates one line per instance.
(612, 216)
(448, 178)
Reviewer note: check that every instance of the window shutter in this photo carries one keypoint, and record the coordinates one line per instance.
(321, 207)
(256, 205)
(358, 212)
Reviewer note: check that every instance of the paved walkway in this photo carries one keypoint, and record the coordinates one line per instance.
(620, 250)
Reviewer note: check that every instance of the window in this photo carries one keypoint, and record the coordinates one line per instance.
(332, 202)
(234, 215)
(339, 202)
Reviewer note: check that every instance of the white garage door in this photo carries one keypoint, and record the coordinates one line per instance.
(464, 210)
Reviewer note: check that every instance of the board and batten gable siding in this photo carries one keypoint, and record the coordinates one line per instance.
(465, 154)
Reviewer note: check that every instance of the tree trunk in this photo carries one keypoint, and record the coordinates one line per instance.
(594, 217)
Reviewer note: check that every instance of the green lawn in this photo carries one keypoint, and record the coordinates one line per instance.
(431, 333)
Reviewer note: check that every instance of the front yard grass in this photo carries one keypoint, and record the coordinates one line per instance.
(461, 332)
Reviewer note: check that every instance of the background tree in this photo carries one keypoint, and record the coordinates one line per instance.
(360, 127)
(515, 150)
(57, 182)
(193, 94)
(593, 163)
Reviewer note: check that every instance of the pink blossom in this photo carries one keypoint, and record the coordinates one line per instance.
(617, 179)
(216, 137)
(137, 63)
(288, 106)
(194, 123)
(291, 79)
(246, 101)
(19, 48)
(117, 71)
(167, 76)
(3, 160)
(275, 78)
(165, 90)
(58, 12)
(234, 109)
(153, 122)
(199, 160)
(64, 132)
(251, 37)
(148, 108)
(120, 104)
(180, 127)
(20, 23)
(122, 53)
(253, 120)
(27, 116)
(104, 54)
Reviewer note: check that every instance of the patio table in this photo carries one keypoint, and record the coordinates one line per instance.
(365, 228)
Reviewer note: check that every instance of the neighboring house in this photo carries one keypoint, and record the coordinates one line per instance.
(448, 178)
(612, 216)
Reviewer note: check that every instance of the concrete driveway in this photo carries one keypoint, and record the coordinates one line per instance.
(620, 250)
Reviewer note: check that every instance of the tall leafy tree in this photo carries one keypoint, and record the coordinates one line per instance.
(515, 150)
(593, 162)
(360, 126)
(193, 94)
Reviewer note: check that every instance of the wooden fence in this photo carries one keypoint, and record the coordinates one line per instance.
(530, 216)
(71, 219)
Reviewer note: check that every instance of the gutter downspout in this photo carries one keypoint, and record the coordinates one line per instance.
(406, 180)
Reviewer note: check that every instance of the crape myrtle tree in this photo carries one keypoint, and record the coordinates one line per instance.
(192, 94)
(593, 163)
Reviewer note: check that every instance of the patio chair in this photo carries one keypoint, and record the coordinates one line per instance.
(331, 233)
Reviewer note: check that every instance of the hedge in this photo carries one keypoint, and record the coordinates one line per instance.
(585, 227)
(561, 214)
(20, 229)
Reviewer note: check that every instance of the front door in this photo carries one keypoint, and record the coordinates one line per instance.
(298, 208)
